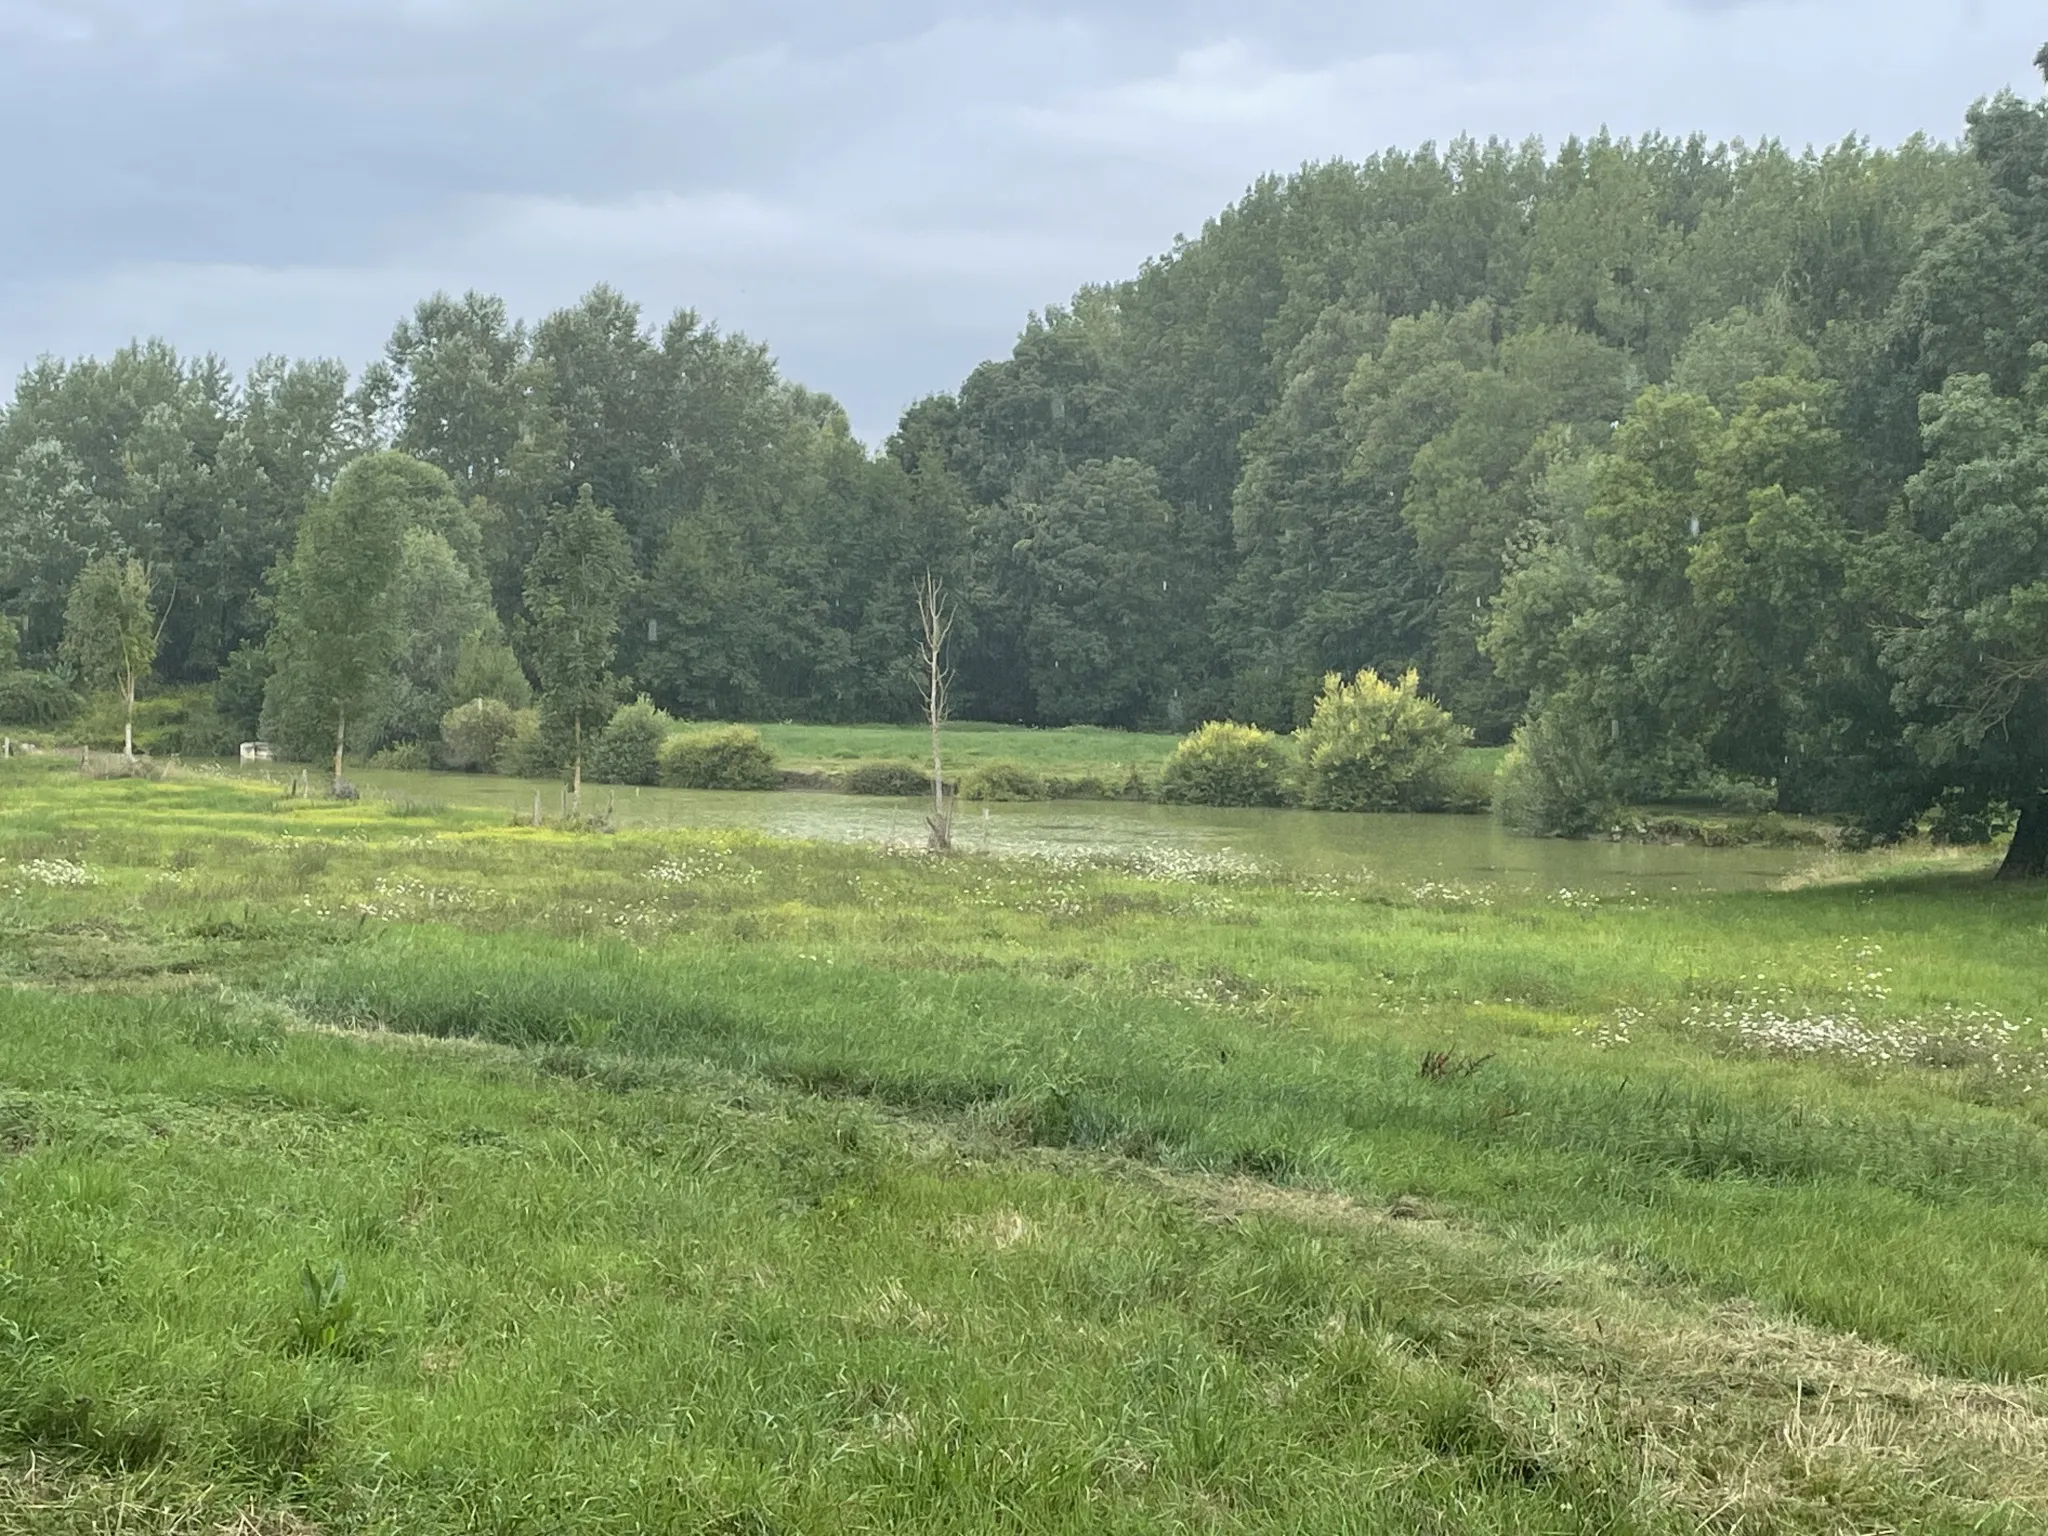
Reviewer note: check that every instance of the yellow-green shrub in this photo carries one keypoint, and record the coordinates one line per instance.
(728, 757)
(1227, 764)
(1378, 746)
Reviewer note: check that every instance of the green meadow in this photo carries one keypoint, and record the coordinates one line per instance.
(1069, 750)
(395, 1166)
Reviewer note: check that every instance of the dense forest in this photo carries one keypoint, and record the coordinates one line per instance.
(1674, 462)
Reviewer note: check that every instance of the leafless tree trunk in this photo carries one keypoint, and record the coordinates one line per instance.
(935, 618)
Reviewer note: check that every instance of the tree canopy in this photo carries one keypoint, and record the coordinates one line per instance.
(1692, 462)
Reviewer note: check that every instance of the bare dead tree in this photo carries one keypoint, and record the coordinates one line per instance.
(935, 618)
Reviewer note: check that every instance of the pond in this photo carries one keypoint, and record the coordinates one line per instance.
(1405, 851)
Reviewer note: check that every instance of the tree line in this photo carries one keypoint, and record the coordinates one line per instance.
(1675, 463)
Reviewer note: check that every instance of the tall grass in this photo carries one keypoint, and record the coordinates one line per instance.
(700, 1181)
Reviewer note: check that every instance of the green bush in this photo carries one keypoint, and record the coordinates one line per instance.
(1002, 781)
(405, 756)
(199, 730)
(1226, 764)
(628, 750)
(1555, 780)
(1086, 786)
(474, 735)
(1961, 820)
(485, 668)
(1378, 746)
(1472, 783)
(35, 698)
(900, 780)
(1744, 797)
(168, 720)
(525, 752)
(728, 757)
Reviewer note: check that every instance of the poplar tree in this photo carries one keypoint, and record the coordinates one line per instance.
(338, 630)
(576, 588)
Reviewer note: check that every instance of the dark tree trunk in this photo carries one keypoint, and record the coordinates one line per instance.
(2027, 857)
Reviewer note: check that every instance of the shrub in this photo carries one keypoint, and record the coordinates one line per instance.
(729, 757)
(628, 750)
(406, 756)
(525, 752)
(1472, 783)
(474, 734)
(485, 668)
(1085, 786)
(176, 719)
(1745, 797)
(35, 698)
(1960, 820)
(1378, 746)
(1226, 764)
(238, 692)
(196, 728)
(1002, 781)
(1555, 780)
(901, 780)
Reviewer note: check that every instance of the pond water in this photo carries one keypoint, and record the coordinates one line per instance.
(1405, 851)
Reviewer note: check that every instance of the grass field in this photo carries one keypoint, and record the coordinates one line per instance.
(971, 744)
(695, 1181)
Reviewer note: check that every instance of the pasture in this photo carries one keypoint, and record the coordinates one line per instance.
(391, 1166)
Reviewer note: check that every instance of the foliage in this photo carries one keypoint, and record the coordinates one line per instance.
(629, 749)
(1003, 781)
(111, 632)
(167, 720)
(725, 757)
(238, 691)
(1107, 630)
(485, 668)
(524, 752)
(895, 780)
(576, 589)
(338, 635)
(1972, 564)
(325, 1309)
(1226, 764)
(1556, 780)
(1378, 746)
(405, 756)
(1621, 421)
(444, 613)
(1963, 820)
(36, 699)
(473, 735)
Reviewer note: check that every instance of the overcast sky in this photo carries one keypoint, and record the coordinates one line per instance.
(879, 191)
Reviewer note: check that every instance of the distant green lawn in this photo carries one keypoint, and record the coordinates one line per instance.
(968, 744)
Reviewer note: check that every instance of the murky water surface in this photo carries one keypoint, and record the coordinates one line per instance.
(1452, 851)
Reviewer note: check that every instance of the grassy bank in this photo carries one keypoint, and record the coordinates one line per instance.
(1070, 752)
(699, 1181)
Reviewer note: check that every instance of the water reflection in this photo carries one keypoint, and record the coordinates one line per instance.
(1403, 850)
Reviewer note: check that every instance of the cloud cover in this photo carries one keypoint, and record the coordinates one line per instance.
(879, 191)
